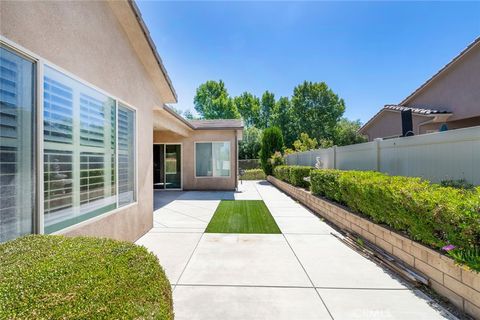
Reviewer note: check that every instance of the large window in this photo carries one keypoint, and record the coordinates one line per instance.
(212, 159)
(79, 151)
(17, 141)
(88, 157)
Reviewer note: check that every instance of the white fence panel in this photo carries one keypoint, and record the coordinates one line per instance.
(362, 156)
(451, 154)
(437, 156)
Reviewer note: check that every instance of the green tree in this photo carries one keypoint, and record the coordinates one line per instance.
(249, 107)
(305, 143)
(272, 141)
(213, 102)
(251, 143)
(346, 132)
(267, 107)
(282, 117)
(317, 110)
(189, 115)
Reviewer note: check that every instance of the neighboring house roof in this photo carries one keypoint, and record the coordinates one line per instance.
(423, 111)
(399, 108)
(442, 70)
(217, 124)
(142, 24)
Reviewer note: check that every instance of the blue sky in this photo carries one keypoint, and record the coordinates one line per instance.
(369, 53)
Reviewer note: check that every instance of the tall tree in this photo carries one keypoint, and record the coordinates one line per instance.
(282, 117)
(213, 102)
(317, 110)
(266, 109)
(346, 133)
(249, 107)
(249, 146)
(272, 141)
(305, 143)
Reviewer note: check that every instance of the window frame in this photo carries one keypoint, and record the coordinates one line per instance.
(40, 63)
(37, 221)
(212, 176)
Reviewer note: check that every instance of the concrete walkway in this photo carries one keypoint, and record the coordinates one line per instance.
(304, 273)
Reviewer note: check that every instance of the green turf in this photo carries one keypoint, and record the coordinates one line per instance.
(242, 216)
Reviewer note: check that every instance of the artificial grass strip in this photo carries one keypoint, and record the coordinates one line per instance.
(242, 216)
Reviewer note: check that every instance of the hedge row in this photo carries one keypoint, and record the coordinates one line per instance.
(428, 213)
(253, 174)
(293, 174)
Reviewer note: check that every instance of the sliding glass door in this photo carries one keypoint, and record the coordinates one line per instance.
(167, 171)
(17, 145)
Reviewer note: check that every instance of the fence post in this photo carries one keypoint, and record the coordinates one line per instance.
(334, 157)
(377, 150)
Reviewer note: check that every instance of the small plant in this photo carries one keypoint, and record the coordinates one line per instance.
(469, 256)
(276, 159)
(457, 184)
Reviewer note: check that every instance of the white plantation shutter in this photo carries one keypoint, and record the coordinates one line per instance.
(126, 156)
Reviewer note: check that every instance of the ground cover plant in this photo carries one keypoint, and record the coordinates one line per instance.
(57, 277)
(434, 215)
(242, 216)
(253, 174)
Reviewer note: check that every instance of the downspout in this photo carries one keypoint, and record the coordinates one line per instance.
(236, 159)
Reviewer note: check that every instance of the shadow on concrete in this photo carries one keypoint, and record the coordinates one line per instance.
(163, 198)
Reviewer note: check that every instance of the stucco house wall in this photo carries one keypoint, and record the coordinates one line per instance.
(456, 89)
(190, 182)
(389, 124)
(86, 39)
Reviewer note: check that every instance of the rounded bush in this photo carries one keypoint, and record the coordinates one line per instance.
(57, 277)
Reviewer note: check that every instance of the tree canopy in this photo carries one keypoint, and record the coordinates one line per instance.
(213, 102)
(313, 109)
(249, 108)
(317, 110)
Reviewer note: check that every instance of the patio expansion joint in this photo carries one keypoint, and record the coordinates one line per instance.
(188, 261)
(184, 214)
(304, 270)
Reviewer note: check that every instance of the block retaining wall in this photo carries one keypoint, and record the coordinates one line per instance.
(460, 286)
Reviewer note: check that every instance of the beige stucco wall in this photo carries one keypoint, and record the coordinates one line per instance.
(389, 123)
(188, 162)
(457, 89)
(86, 39)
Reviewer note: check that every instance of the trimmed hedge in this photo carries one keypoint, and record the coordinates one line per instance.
(253, 174)
(428, 213)
(56, 277)
(293, 174)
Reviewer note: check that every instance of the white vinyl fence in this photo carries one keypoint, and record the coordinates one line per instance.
(436, 156)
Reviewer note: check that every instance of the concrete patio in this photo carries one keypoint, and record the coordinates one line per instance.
(304, 273)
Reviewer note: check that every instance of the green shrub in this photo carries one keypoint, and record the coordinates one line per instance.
(53, 277)
(469, 256)
(297, 175)
(428, 213)
(253, 174)
(325, 183)
(282, 173)
(293, 174)
(459, 184)
(272, 141)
